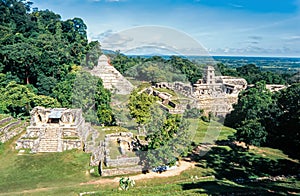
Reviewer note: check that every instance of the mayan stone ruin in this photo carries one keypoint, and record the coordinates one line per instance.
(53, 130)
(115, 155)
(112, 78)
(10, 127)
(213, 93)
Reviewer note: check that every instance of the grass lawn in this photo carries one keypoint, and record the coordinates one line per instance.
(209, 132)
(63, 173)
(31, 171)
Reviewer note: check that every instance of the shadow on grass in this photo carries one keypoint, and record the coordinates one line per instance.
(223, 188)
(233, 163)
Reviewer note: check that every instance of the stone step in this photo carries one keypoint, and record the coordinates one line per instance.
(48, 145)
(112, 78)
(50, 134)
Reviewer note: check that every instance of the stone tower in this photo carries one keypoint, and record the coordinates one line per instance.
(209, 75)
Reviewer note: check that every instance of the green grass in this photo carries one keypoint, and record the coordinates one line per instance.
(114, 151)
(30, 171)
(108, 130)
(165, 90)
(63, 173)
(271, 153)
(2, 116)
(209, 131)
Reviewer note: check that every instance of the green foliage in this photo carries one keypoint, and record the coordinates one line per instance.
(103, 99)
(45, 101)
(87, 92)
(93, 53)
(83, 95)
(251, 132)
(285, 130)
(252, 107)
(261, 117)
(35, 46)
(252, 74)
(226, 71)
(191, 70)
(123, 63)
(168, 138)
(157, 69)
(18, 99)
(139, 106)
(63, 90)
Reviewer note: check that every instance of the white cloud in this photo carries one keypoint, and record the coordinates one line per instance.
(235, 5)
(114, 0)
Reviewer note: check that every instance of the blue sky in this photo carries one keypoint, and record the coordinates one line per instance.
(222, 27)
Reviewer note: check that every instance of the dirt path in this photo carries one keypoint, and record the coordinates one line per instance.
(184, 165)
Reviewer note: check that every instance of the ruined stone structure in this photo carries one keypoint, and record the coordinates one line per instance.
(115, 155)
(112, 79)
(275, 87)
(53, 130)
(213, 93)
(10, 127)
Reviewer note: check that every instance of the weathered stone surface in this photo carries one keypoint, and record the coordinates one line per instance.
(10, 130)
(112, 79)
(214, 94)
(54, 130)
(122, 164)
(5, 120)
(121, 170)
(126, 161)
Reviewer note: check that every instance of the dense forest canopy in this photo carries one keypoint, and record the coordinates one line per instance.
(264, 118)
(41, 58)
(158, 69)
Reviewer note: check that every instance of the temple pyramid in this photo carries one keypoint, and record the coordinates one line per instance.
(112, 78)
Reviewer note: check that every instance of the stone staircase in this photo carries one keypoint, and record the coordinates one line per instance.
(49, 142)
(112, 78)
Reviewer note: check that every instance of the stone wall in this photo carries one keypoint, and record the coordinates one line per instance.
(121, 171)
(121, 161)
(25, 143)
(5, 120)
(10, 130)
(69, 144)
(100, 154)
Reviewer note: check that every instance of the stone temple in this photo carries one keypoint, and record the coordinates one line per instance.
(53, 130)
(112, 78)
(212, 93)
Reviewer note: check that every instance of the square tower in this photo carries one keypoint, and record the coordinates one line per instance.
(209, 75)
